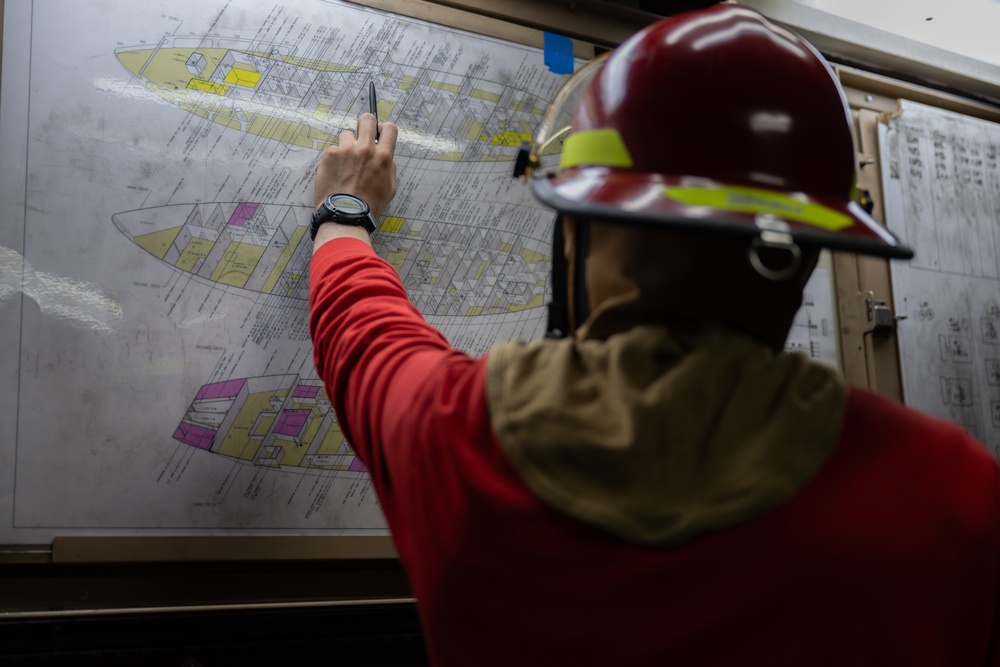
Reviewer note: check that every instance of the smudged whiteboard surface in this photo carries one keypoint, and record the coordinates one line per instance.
(941, 184)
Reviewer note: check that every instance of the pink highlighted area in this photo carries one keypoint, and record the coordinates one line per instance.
(291, 422)
(229, 389)
(305, 391)
(194, 435)
(243, 212)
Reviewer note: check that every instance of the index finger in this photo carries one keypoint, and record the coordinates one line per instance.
(388, 133)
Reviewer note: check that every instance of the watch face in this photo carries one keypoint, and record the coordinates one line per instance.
(347, 204)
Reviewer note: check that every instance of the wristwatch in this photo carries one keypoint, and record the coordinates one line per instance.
(344, 209)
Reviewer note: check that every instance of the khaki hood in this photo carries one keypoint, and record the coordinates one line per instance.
(660, 437)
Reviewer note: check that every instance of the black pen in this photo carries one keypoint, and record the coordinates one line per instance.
(373, 105)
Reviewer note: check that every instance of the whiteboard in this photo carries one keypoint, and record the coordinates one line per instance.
(941, 184)
(156, 185)
(157, 373)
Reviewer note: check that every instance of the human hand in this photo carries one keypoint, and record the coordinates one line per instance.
(359, 166)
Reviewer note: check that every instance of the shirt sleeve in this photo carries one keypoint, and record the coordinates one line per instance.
(377, 356)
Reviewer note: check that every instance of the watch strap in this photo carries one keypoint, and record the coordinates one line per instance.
(323, 215)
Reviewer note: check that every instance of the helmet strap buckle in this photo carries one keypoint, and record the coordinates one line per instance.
(774, 234)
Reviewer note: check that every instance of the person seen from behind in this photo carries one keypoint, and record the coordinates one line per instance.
(656, 482)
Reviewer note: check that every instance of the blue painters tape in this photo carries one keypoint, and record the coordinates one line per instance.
(559, 53)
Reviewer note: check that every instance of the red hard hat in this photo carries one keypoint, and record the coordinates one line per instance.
(716, 120)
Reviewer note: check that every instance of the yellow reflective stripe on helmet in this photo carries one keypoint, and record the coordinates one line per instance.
(753, 200)
(596, 148)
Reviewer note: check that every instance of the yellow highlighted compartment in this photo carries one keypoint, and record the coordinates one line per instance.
(321, 112)
(508, 138)
(322, 137)
(485, 95)
(243, 75)
(286, 256)
(532, 257)
(263, 425)
(472, 129)
(450, 87)
(158, 243)
(134, 60)
(536, 302)
(196, 249)
(332, 442)
(397, 258)
(385, 107)
(231, 123)
(289, 132)
(237, 264)
(392, 224)
(208, 87)
(296, 451)
(239, 442)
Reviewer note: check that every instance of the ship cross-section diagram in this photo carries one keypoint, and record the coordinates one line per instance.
(447, 269)
(266, 90)
(277, 421)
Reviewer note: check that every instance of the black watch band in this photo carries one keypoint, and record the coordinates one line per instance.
(343, 209)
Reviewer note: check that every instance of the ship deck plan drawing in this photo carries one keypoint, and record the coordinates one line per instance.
(276, 421)
(941, 184)
(155, 289)
(269, 91)
(447, 269)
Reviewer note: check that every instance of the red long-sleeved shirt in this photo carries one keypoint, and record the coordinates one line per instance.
(890, 555)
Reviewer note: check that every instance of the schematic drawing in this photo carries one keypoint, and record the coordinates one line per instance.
(955, 349)
(268, 91)
(993, 371)
(277, 421)
(956, 391)
(447, 269)
(991, 330)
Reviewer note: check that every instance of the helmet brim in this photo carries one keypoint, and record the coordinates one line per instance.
(603, 193)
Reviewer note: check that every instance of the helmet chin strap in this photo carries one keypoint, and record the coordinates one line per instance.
(561, 324)
(581, 298)
(558, 325)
